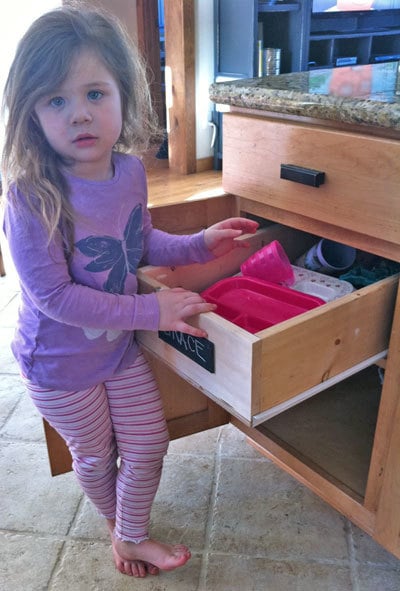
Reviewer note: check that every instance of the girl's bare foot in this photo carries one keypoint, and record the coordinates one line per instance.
(133, 568)
(163, 556)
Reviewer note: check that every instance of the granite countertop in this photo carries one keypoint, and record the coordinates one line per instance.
(366, 95)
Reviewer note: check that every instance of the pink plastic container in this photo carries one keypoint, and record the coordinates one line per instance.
(270, 263)
(254, 304)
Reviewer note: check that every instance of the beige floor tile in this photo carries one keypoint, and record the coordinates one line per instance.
(233, 443)
(88, 523)
(9, 303)
(33, 501)
(11, 392)
(244, 573)
(262, 511)
(367, 551)
(225, 440)
(25, 422)
(372, 578)
(8, 289)
(87, 566)
(27, 561)
(198, 444)
(8, 365)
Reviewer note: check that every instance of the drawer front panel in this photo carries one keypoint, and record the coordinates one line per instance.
(326, 342)
(231, 383)
(361, 187)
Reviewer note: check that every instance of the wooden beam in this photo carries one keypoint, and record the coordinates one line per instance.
(148, 37)
(180, 82)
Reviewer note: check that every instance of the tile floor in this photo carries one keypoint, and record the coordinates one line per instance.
(250, 526)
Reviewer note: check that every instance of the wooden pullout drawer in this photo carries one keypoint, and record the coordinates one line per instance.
(361, 192)
(259, 375)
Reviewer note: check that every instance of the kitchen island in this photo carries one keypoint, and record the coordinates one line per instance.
(344, 123)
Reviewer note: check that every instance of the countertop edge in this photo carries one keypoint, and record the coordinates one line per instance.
(359, 111)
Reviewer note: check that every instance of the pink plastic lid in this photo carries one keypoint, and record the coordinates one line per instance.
(254, 304)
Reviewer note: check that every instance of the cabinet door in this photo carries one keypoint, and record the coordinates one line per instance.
(236, 35)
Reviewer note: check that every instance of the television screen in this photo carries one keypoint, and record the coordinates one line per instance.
(351, 5)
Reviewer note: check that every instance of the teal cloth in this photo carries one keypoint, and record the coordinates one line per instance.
(360, 276)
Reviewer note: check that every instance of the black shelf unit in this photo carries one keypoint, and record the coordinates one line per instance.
(281, 25)
(353, 40)
(306, 40)
(237, 29)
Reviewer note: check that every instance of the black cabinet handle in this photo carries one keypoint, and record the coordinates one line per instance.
(299, 174)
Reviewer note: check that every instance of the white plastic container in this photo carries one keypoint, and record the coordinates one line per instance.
(317, 284)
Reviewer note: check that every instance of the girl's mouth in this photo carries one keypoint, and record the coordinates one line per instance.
(84, 140)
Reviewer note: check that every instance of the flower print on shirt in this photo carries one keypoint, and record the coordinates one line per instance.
(120, 257)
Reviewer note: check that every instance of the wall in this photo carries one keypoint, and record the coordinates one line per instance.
(125, 10)
(18, 15)
(204, 19)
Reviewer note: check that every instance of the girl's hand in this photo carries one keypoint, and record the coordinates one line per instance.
(176, 305)
(220, 238)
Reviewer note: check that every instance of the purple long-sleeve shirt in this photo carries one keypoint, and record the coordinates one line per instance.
(77, 318)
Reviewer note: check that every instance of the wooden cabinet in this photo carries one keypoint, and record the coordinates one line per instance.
(262, 192)
(258, 376)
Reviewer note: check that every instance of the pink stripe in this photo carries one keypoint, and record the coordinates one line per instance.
(127, 408)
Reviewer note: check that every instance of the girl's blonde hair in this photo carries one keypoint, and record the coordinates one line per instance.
(41, 64)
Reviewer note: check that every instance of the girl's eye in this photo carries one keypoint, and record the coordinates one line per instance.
(95, 95)
(57, 101)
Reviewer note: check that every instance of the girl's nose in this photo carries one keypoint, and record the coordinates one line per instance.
(80, 114)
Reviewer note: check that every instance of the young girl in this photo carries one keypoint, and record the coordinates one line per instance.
(77, 223)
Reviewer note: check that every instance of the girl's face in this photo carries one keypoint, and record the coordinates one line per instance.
(82, 119)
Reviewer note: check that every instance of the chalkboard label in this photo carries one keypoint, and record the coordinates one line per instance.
(199, 349)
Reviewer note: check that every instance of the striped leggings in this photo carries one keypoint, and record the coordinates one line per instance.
(120, 418)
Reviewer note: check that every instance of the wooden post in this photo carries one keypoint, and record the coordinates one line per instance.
(180, 82)
(149, 44)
